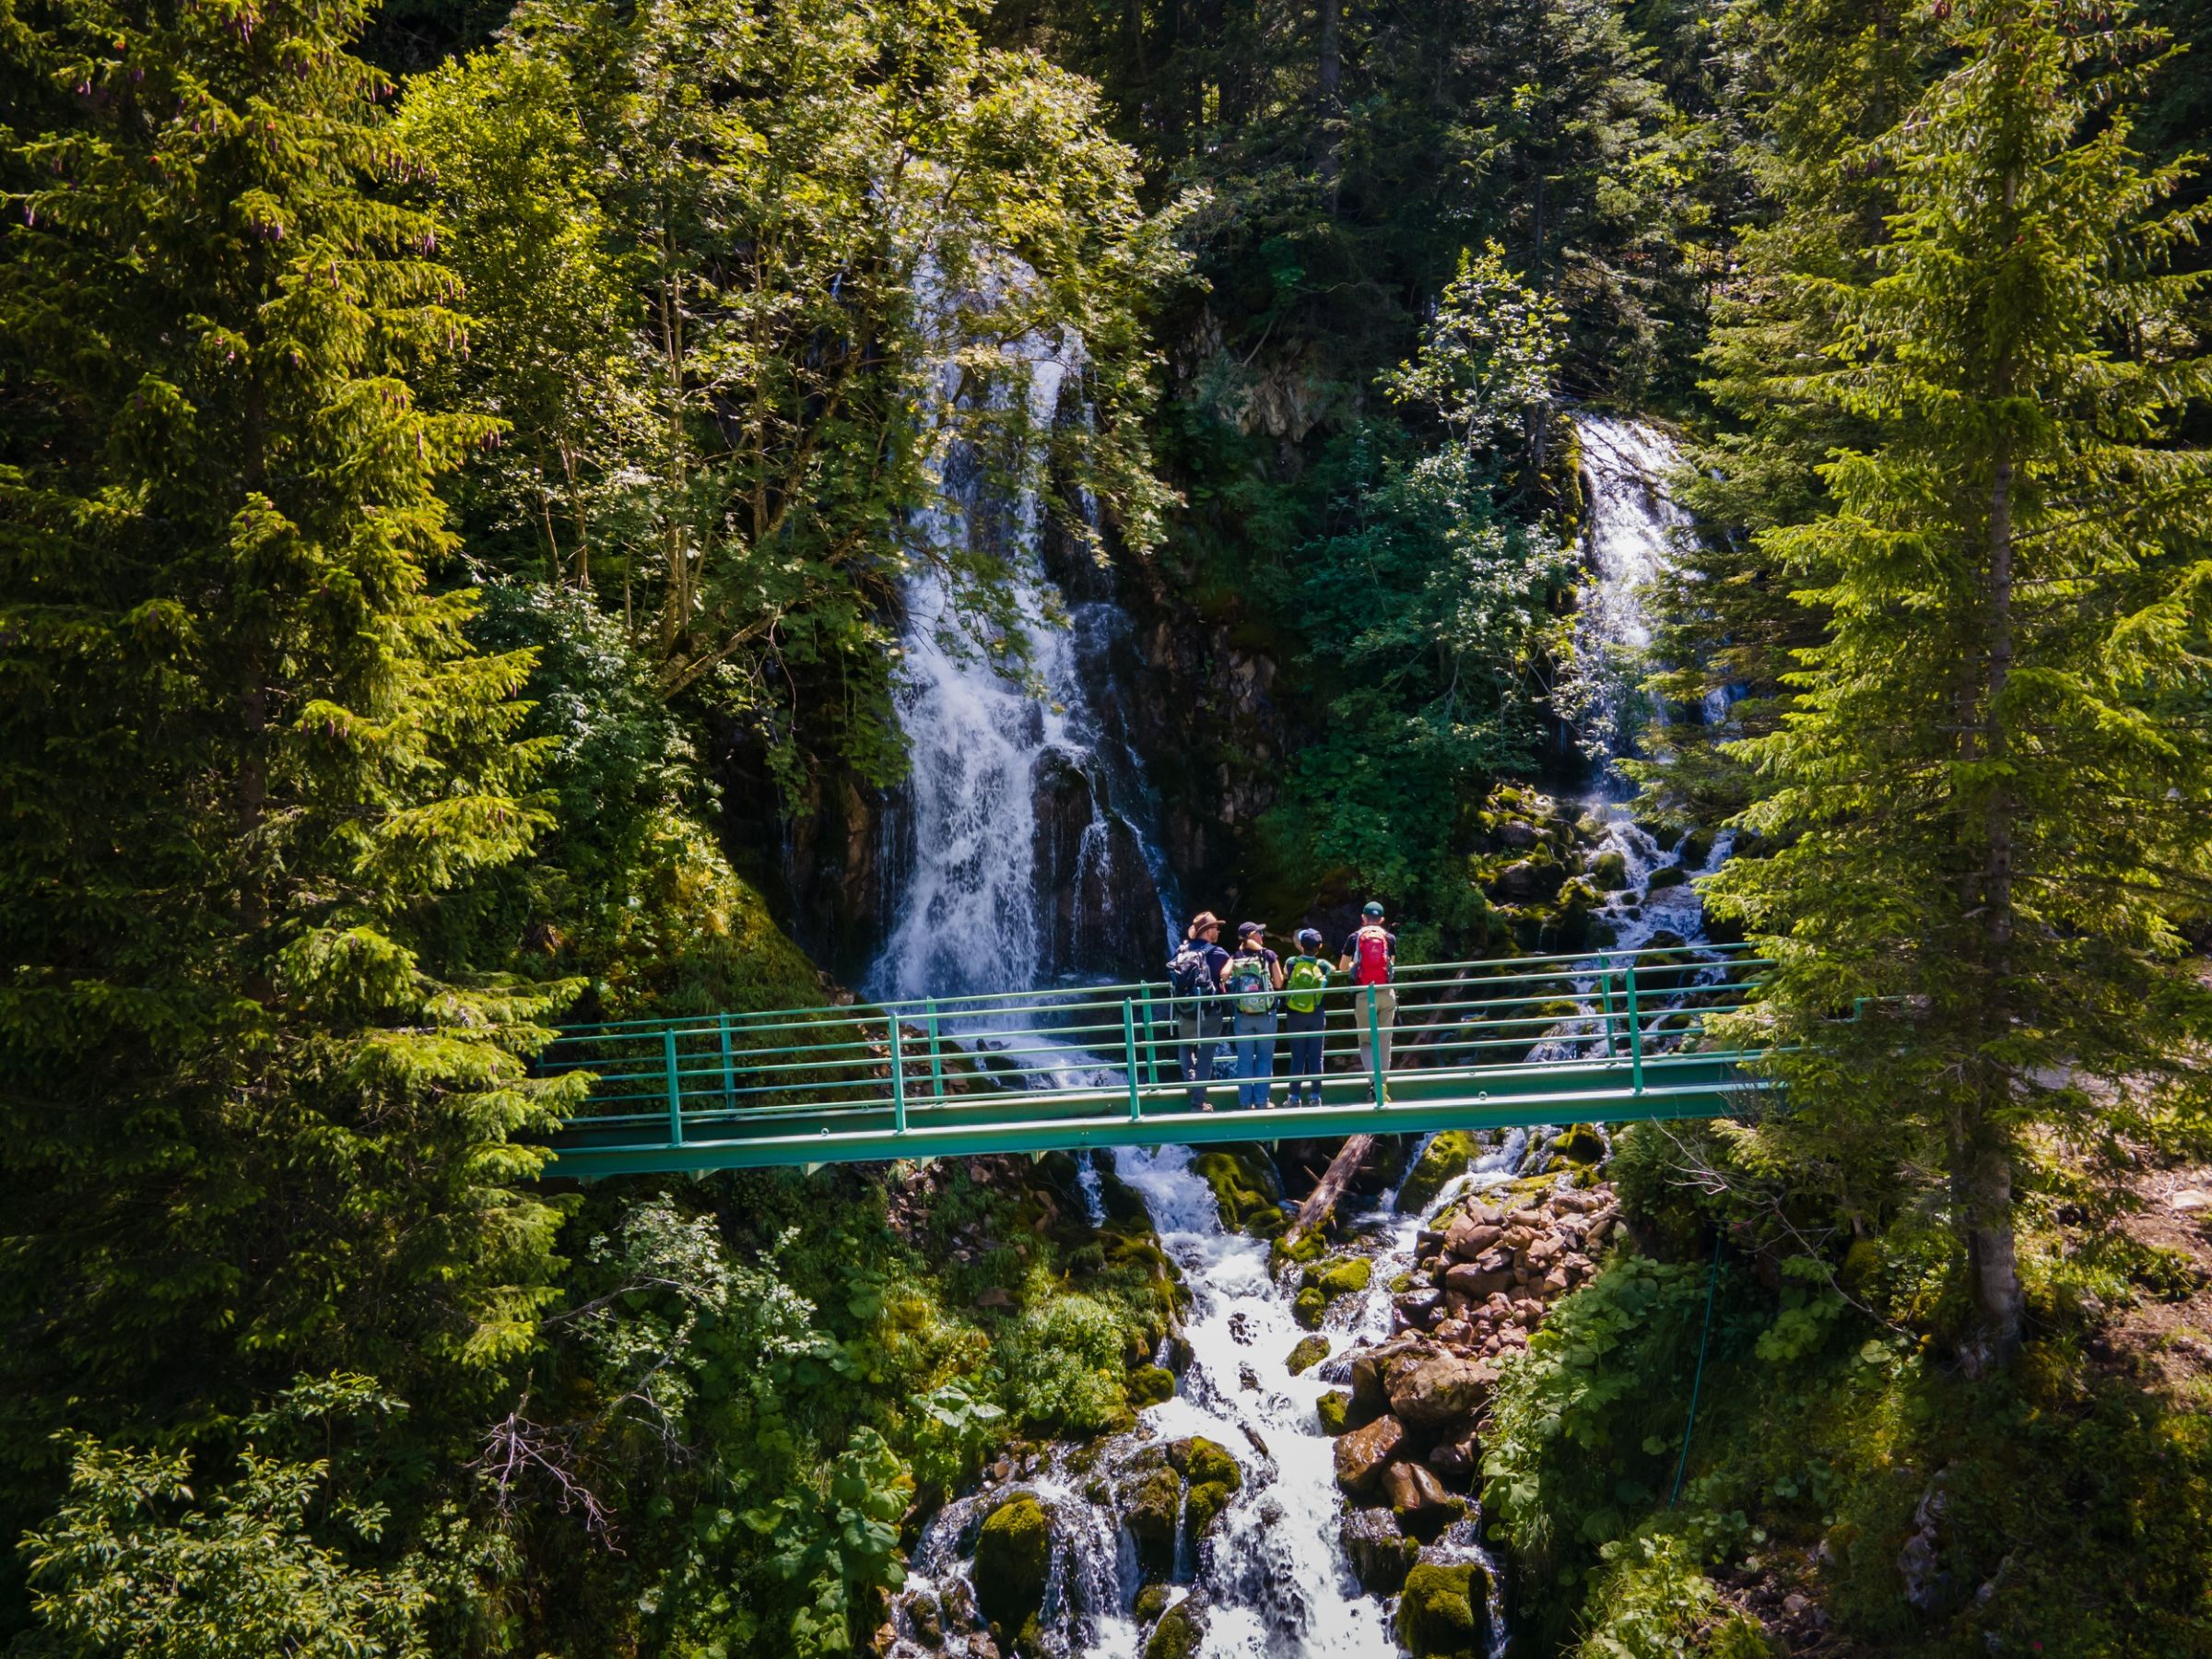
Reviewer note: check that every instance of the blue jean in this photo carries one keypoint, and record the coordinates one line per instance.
(1196, 1029)
(1304, 1031)
(1254, 1042)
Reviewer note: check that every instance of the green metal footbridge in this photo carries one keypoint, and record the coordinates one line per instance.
(1475, 1045)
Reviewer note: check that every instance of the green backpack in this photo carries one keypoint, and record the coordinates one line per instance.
(1304, 978)
(1246, 979)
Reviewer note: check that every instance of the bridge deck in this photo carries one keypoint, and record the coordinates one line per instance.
(1615, 1036)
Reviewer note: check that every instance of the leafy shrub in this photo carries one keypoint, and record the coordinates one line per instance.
(1063, 1366)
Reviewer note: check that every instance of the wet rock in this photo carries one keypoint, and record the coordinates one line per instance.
(1530, 879)
(1245, 1185)
(1013, 1556)
(1151, 1506)
(1696, 847)
(1432, 1393)
(1448, 1155)
(1362, 1452)
(1308, 1307)
(1667, 875)
(1310, 1351)
(1610, 872)
(1418, 1500)
(1457, 1461)
(1455, 1332)
(1343, 1277)
(924, 1620)
(1579, 1144)
(1518, 835)
(1214, 1475)
(1418, 1307)
(1380, 1555)
(1370, 1393)
(1444, 1612)
(1332, 1408)
(1149, 1385)
(1179, 1632)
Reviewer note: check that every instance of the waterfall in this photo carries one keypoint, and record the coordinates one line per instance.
(1014, 857)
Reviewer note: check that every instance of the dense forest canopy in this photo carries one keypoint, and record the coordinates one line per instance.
(463, 473)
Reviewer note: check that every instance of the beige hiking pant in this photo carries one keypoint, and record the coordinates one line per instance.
(1385, 999)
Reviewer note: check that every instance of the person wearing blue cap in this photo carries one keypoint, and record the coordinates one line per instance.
(1251, 980)
(1305, 977)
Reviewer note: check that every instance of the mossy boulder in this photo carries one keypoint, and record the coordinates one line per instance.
(1151, 1506)
(1300, 1248)
(1310, 1351)
(1150, 1601)
(1214, 1475)
(1013, 1557)
(1696, 847)
(1667, 875)
(1178, 1634)
(1308, 1307)
(1332, 1409)
(1380, 1555)
(1149, 1385)
(1448, 1156)
(1245, 1187)
(1444, 1612)
(1579, 1144)
(1347, 1275)
(1610, 872)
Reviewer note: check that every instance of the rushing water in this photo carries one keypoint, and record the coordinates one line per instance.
(978, 873)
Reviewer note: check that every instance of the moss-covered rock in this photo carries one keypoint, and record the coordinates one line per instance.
(1178, 1634)
(1151, 1508)
(1299, 1248)
(1346, 1275)
(1332, 1408)
(1149, 1385)
(1214, 1475)
(1150, 1601)
(1444, 1612)
(1667, 875)
(1380, 1555)
(1696, 847)
(1610, 872)
(1448, 1155)
(1244, 1185)
(1579, 1144)
(1310, 1351)
(1308, 1307)
(1013, 1557)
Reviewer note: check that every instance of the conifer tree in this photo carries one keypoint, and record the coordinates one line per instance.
(1994, 788)
(247, 1125)
(1821, 80)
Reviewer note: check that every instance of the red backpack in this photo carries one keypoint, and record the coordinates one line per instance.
(1371, 964)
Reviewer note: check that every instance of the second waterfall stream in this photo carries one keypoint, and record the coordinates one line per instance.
(1261, 1563)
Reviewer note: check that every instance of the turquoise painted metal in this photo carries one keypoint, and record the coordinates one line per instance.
(1487, 1044)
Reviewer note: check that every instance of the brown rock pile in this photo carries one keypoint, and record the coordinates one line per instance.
(1412, 1422)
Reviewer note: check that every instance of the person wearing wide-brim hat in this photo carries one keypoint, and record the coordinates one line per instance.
(1194, 975)
(1252, 982)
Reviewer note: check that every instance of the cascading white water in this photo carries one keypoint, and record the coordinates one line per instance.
(1272, 1574)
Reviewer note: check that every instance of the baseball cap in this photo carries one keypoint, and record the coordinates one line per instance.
(1371, 909)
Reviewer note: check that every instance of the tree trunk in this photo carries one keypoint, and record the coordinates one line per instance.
(1321, 1202)
(1329, 79)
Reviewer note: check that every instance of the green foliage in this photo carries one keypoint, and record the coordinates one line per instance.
(1651, 1602)
(1990, 794)
(749, 275)
(256, 1118)
(1063, 1366)
(137, 1562)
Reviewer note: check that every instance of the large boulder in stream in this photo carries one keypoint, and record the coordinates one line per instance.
(1437, 1391)
(1179, 1632)
(1013, 1559)
(1380, 1555)
(1214, 1477)
(1362, 1452)
(1444, 1612)
(1449, 1154)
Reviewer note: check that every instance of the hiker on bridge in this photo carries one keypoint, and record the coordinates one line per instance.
(1305, 976)
(1251, 980)
(1194, 975)
(1371, 957)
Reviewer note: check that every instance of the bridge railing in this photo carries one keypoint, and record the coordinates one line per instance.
(1099, 1052)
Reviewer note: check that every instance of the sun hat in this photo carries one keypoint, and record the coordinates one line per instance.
(1203, 920)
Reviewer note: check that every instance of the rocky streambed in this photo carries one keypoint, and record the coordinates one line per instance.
(1309, 1486)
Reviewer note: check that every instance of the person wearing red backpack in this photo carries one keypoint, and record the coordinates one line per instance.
(1371, 957)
